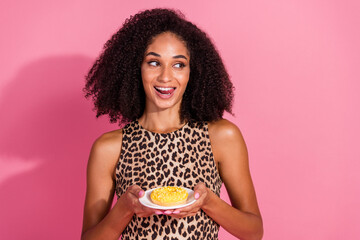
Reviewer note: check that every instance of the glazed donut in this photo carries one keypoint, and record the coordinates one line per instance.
(169, 196)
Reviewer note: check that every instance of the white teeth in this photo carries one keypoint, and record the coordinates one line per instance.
(164, 89)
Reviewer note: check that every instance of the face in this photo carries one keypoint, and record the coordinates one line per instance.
(165, 72)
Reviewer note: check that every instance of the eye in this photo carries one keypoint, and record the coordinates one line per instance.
(154, 63)
(179, 65)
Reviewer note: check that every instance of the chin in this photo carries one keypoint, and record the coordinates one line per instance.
(166, 104)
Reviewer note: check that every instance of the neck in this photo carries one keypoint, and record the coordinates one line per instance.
(164, 121)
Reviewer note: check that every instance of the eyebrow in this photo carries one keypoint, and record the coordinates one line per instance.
(158, 55)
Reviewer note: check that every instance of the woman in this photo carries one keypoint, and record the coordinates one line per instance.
(162, 77)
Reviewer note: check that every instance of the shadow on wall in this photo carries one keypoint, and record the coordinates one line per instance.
(46, 131)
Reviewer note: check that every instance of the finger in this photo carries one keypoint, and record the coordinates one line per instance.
(143, 211)
(200, 189)
(195, 205)
(200, 185)
(158, 212)
(141, 193)
(177, 214)
(151, 211)
(168, 212)
(184, 214)
(136, 191)
(196, 195)
(177, 211)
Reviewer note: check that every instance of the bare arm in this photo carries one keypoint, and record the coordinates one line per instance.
(242, 218)
(99, 221)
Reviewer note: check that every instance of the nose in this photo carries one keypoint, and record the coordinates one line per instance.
(165, 75)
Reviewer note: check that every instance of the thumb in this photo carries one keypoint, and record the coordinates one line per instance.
(137, 191)
(199, 190)
(141, 193)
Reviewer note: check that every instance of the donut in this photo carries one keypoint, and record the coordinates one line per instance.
(169, 196)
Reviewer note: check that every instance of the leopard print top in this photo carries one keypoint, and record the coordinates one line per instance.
(180, 158)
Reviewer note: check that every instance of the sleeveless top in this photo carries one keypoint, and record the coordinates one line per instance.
(179, 158)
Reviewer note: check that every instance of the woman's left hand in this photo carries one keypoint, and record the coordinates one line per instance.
(202, 195)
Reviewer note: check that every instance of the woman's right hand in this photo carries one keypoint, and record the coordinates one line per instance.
(131, 198)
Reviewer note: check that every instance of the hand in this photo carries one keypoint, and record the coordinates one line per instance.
(131, 198)
(202, 195)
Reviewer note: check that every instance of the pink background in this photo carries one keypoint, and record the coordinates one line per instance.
(295, 65)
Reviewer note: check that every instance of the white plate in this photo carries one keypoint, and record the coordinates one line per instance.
(146, 200)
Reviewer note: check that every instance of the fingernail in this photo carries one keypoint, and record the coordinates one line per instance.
(141, 193)
(197, 195)
(167, 212)
(176, 211)
(158, 212)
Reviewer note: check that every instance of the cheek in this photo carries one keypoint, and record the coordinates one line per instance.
(145, 81)
(185, 78)
(145, 76)
(148, 74)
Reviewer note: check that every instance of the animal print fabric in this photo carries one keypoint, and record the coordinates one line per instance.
(179, 158)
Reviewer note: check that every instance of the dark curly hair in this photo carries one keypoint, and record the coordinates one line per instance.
(115, 83)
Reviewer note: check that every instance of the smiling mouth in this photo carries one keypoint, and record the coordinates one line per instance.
(165, 90)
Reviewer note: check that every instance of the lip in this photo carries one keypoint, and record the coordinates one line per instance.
(164, 96)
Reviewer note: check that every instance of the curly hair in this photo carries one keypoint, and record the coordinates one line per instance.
(114, 81)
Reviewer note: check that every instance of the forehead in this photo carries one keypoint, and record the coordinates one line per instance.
(168, 41)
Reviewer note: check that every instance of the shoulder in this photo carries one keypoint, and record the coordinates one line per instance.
(224, 130)
(108, 141)
(106, 151)
(225, 137)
